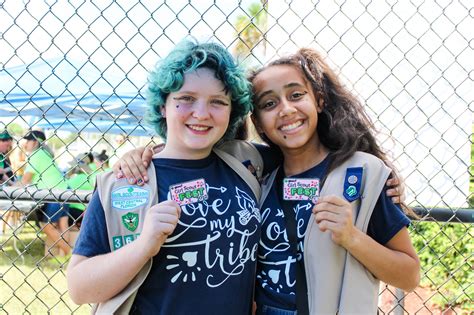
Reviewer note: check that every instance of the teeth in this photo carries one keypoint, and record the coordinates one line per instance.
(291, 126)
(198, 128)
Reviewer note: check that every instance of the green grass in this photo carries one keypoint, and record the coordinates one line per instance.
(37, 285)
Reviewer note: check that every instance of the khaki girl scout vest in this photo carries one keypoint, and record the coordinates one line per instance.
(142, 198)
(337, 282)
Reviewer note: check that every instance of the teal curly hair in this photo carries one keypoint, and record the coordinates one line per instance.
(187, 56)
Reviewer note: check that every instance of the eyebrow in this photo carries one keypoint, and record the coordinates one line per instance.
(196, 92)
(286, 86)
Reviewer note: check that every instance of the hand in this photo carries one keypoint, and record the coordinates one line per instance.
(133, 164)
(160, 222)
(334, 214)
(396, 189)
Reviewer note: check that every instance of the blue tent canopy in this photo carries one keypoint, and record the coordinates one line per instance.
(67, 94)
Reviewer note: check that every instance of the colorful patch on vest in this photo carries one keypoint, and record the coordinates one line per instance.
(122, 240)
(352, 183)
(130, 221)
(129, 197)
(301, 189)
(189, 192)
(127, 239)
(117, 242)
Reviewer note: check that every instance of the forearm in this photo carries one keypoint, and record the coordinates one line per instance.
(391, 266)
(99, 278)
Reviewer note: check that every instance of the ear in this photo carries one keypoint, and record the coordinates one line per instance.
(163, 111)
(320, 102)
(256, 123)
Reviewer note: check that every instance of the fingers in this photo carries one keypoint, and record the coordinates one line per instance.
(165, 216)
(326, 216)
(395, 194)
(167, 206)
(327, 226)
(136, 166)
(396, 190)
(131, 167)
(147, 156)
(331, 200)
(393, 181)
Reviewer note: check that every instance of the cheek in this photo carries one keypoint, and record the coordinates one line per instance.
(178, 111)
(221, 114)
(264, 122)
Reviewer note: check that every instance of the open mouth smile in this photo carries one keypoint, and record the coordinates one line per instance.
(291, 126)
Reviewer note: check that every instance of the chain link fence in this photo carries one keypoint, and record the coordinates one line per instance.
(77, 70)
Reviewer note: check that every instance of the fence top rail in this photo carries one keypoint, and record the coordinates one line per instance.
(29, 193)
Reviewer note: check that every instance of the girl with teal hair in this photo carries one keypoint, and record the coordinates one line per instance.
(203, 235)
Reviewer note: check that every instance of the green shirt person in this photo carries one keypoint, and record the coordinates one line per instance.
(42, 171)
(6, 174)
(82, 178)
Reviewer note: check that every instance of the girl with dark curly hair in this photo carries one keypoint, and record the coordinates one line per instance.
(329, 232)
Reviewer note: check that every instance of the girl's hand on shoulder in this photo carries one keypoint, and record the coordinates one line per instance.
(396, 189)
(133, 164)
(334, 214)
(160, 222)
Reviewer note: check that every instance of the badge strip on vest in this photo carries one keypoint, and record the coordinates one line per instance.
(352, 183)
(129, 197)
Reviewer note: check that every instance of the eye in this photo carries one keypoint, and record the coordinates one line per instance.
(268, 104)
(185, 99)
(219, 102)
(297, 95)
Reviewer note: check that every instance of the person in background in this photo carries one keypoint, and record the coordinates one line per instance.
(81, 177)
(102, 161)
(6, 174)
(42, 171)
(89, 158)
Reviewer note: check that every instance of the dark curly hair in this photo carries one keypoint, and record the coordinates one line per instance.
(343, 125)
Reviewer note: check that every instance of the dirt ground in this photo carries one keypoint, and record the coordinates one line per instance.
(417, 302)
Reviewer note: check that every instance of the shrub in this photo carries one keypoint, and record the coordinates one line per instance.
(446, 255)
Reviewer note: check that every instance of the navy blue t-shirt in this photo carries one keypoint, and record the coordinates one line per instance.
(207, 266)
(276, 269)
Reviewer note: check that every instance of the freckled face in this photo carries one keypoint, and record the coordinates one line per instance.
(197, 116)
(286, 108)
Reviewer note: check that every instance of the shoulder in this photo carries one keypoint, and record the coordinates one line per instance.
(365, 160)
(237, 147)
(246, 153)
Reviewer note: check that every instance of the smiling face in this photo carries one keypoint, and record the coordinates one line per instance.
(286, 108)
(5, 146)
(197, 116)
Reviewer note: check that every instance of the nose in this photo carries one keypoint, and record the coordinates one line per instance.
(286, 108)
(200, 110)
